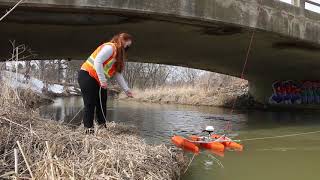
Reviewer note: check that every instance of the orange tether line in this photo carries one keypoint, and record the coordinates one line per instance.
(229, 125)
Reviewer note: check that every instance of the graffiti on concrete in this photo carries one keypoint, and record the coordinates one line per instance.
(295, 92)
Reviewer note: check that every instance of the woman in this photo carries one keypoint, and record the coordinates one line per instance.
(107, 61)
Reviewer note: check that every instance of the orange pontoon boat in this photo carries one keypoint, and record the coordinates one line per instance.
(214, 143)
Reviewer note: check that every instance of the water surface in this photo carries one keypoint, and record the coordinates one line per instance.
(290, 158)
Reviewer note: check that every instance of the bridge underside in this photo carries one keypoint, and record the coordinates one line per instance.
(214, 46)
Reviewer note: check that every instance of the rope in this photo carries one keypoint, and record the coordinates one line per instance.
(101, 104)
(189, 163)
(281, 136)
(244, 66)
(74, 117)
(229, 124)
(83, 108)
(11, 10)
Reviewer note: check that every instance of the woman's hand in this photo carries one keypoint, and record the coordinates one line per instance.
(104, 85)
(129, 94)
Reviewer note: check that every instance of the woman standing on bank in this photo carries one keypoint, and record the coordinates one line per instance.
(107, 61)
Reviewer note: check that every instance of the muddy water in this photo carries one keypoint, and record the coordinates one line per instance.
(290, 158)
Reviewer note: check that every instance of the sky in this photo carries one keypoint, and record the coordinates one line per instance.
(309, 6)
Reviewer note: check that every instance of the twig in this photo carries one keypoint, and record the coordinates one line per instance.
(16, 161)
(20, 50)
(8, 139)
(6, 119)
(11, 10)
(25, 159)
(50, 159)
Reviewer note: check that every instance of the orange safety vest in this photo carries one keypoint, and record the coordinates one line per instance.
(109, 67)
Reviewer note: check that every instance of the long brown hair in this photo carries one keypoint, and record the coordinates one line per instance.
(117, 40)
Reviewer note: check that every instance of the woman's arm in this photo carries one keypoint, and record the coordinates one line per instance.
(104, 54)
(123, 84)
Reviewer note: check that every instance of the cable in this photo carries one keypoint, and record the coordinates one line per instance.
(83, 108)
(282, 136)
(74, 117)
(229, 124)
(101, 104)
(189, 163)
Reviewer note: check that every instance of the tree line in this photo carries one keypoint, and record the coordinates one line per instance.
(138, 75)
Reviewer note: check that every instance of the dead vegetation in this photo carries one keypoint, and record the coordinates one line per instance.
(49, 150)
(195, 95)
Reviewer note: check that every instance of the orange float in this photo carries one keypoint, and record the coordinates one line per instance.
(214, 143)
(185, 144)
(215, 146)
(218, 153)
(228, 143)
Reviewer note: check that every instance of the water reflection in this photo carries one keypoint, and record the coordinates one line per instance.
(158, 122)
(64, 110)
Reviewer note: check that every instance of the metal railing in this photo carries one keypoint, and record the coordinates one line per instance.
(311, 5)
(314, 2)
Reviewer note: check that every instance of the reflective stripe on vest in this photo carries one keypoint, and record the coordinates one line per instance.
(109, 67)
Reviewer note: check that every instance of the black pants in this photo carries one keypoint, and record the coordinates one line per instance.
(90, 94)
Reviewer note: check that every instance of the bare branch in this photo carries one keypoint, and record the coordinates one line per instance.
(5, 15)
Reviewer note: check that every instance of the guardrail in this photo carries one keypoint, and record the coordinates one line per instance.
(314, 2)
(311, 5)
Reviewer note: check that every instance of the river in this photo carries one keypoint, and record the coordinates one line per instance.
(289, 158)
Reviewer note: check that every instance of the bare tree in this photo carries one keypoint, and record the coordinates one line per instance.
(190, 76)
(145, 75)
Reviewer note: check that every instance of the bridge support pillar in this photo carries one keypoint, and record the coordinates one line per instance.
(261, 90)
(300, 3)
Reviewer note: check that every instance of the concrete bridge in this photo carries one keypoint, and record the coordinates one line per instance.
(212, 35)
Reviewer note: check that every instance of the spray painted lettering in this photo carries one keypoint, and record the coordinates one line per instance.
(295, 92)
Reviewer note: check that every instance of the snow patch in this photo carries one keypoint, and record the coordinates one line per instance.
(55, 88)
(17, 80)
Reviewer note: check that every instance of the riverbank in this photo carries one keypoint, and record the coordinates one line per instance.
(39, 87)
(193, 95)
(50, 150)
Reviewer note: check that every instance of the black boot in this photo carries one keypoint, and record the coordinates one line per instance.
(89, 131)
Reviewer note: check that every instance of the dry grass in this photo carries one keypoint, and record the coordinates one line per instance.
(191, 95)
(55, 151)
(25, 98)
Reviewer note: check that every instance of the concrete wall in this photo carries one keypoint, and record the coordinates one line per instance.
(270, 15)
(212, 35)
